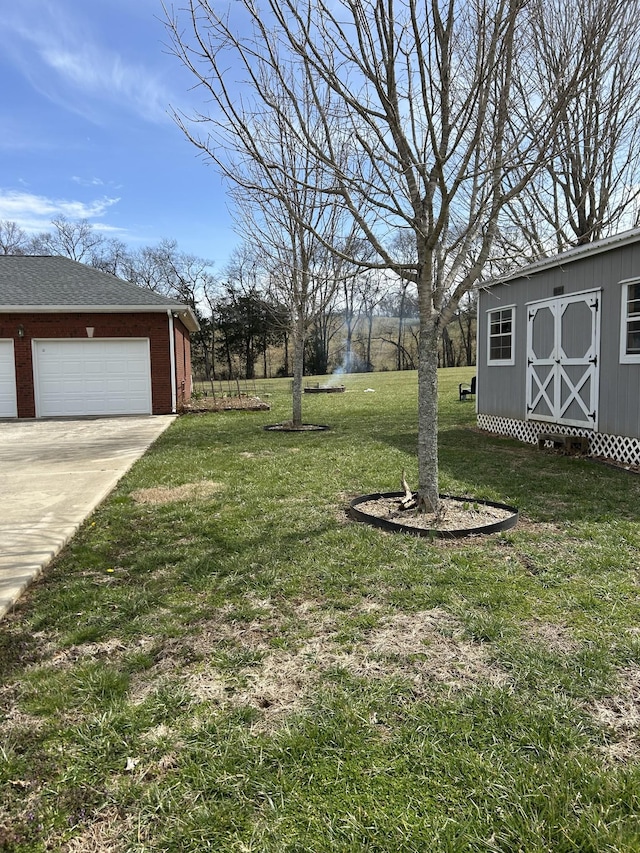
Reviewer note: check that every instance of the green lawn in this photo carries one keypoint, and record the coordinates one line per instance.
(221, 661)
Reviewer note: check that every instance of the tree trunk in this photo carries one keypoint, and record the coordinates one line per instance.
(213, 355)
(400, 360)
(448, 355)
(348, 356)
(298, 371)
(228, 353)
(201, 342)
(428, 412)
(369, 336)
(465, 331)
(250, 360)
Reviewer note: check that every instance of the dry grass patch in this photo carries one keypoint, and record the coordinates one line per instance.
(621, 715)
(553, 636)
(111, 650)
(424, 649)
(170, 494)
(106, 834)
(16, 721)
(541, 528)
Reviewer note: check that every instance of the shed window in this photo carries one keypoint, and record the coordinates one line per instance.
(501, 349)
(630, 322)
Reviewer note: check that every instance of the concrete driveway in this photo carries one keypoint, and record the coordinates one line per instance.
(52, 476)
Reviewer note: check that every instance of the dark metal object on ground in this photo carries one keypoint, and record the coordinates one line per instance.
(324, 389)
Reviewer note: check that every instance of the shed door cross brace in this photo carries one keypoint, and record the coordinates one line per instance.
(563, 339)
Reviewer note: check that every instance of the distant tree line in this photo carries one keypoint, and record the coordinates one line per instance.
(245, 330)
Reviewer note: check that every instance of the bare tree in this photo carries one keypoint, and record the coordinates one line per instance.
(302, 273)
(112, 256)
(290, 216)
(13, 240)
(372, 292)
(191, 278)
(419, 124)
(351, 303)
(151, 267)
(590, 183)
(73, 238)
(466, 317)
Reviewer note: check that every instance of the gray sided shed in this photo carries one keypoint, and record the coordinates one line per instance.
(559, 348)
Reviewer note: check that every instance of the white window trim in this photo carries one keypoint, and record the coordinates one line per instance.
(625, 357)
(492, 362)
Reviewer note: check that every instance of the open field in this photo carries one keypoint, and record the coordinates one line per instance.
(220, 660)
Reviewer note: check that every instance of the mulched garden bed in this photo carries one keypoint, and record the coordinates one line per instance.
(226, 404)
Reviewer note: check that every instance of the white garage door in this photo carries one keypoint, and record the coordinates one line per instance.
(8, 407)
(92, 377)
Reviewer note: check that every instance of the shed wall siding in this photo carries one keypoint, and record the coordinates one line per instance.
(502, 389)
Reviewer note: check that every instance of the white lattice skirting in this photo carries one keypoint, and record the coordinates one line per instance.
(618, 447)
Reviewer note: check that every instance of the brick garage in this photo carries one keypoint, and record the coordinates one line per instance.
(75, 341)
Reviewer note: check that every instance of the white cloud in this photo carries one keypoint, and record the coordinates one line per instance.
(106, 76)
(64, 61)
(34, 213)
(87, 182)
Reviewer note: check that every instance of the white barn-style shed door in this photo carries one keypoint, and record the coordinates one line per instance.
(563, 349)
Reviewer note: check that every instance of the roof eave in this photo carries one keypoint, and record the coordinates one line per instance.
(564, 258)
(185, 313)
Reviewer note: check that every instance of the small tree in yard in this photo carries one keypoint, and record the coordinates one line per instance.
(419, 115)
(282, 192)
(301, 272)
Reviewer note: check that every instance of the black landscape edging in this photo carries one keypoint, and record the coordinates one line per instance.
(399, 527)
(298, 430)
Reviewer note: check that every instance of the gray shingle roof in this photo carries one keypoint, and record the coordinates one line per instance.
(34, 281)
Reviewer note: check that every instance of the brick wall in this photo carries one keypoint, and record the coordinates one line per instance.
(130, 325)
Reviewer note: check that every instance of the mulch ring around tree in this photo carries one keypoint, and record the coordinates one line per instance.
(465, 516)
(289, 426)
(225, 404)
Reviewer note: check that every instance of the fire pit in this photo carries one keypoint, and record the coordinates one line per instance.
(324, 389)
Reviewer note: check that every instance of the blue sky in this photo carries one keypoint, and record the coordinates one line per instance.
(87, 87)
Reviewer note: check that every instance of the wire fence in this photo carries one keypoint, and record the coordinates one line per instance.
(234, 388)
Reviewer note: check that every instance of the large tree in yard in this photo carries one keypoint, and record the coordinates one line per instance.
(590, 183)
(425, 116)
